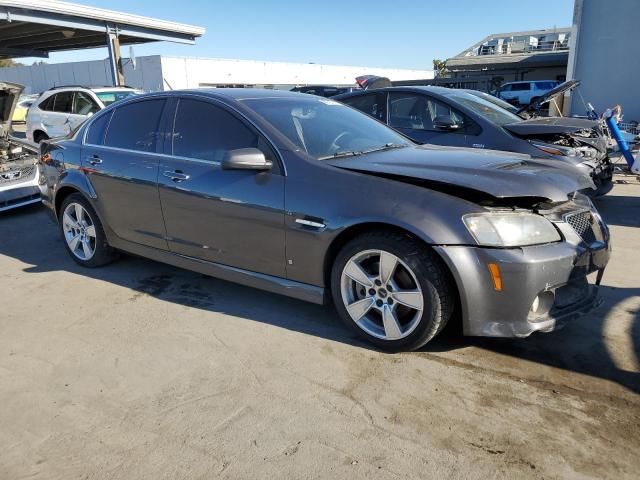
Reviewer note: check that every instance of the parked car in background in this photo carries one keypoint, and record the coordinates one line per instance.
(457, 118)
(524, 93)
(18, 160)
(22, 107)
(323, 90)
(61, 109)
(304, 196)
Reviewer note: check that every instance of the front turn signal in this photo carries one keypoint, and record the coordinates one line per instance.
(496, 276)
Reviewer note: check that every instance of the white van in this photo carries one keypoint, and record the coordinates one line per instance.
(524, 93)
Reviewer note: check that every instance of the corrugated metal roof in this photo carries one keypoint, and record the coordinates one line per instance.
(37, 27)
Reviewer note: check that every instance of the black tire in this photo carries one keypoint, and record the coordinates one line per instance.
(103, 252)
(534, 100)
(40, 136)
(429, 270)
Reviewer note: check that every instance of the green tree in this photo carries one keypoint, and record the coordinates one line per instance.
(8, 62)
(440, 67)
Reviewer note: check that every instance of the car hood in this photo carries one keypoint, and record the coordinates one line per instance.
(499, 175)
(560, 89)
(550, 125)
(9, 94)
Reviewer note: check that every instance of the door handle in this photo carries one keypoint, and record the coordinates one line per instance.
(94, 160)
(176, 175)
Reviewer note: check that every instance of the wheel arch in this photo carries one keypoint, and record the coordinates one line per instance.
(356, 230)
(62, 193)
(38, 132)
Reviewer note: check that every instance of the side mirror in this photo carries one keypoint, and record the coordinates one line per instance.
(246, 159)
(445, 122)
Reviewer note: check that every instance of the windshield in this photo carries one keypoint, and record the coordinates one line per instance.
(325, 128)
(495, 100)
(489, 110)
(113, 96)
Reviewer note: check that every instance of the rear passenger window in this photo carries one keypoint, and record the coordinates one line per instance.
(206, 132)
(84, 104)
(135, 126)
(372, 104)
(47, 104)
(95, 135)
(63, 102)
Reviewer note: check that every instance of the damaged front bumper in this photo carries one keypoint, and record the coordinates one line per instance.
(601, 172)
(542, 286)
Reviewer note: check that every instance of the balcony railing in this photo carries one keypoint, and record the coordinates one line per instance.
(519, 47)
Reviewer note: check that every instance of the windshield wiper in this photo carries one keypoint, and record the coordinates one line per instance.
(387, 146)
(353, 153)
(345, 153)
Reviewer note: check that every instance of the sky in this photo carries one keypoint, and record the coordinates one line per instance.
(392, 33)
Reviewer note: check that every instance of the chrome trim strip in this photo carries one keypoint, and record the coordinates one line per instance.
(310, 223)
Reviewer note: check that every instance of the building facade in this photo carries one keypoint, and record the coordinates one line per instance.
(156, 73)
(509, 57)
(605, 57)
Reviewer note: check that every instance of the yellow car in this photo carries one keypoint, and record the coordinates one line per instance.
(20, 112)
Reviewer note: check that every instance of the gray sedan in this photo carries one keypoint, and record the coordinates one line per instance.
(307, 197)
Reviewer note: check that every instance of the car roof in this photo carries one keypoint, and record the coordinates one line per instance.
(407, 88)
(110, 89)
(244, 93)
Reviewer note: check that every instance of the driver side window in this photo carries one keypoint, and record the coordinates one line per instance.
(204, 131)
(418, 112)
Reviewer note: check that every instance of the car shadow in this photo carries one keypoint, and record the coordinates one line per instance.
(31, 237)
(620, 210)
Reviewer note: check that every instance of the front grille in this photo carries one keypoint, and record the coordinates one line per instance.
(20, 175)
(583, 223)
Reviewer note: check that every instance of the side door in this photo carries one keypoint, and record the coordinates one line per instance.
(83, 107)
(505, 93)
(522, 92)
(232, 217)
(121, 158)
(414, 114)
(374, 104)
(56, 120)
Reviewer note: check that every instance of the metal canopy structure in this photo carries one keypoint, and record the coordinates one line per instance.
(34, 28)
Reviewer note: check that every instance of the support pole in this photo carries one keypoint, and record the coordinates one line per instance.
(115, 60)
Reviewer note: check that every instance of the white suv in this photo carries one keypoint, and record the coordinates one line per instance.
(523, 93)
(60, 110)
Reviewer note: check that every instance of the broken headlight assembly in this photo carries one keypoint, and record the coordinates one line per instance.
(508, 229)
(556, 149)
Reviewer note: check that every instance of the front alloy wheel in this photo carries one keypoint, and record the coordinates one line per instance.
(391, 289)
(381, 294)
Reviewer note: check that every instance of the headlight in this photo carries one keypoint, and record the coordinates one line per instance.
(510, 229)
(556, 149)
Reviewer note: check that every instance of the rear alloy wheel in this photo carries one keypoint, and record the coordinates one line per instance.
(83, 233)
(392, 290)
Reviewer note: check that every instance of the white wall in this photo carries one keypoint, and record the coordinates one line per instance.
(153, 73)
(187, 72)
